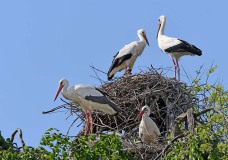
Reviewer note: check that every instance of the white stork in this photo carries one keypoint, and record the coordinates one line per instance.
(88, 98)
(175, 47)
(148, 130)
(126, 57)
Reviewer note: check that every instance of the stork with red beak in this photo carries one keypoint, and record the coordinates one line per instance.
(88, 98)
(126, 57)
(175, 47)
(148, 130)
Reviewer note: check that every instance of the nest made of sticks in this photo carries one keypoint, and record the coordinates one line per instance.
(166, 97)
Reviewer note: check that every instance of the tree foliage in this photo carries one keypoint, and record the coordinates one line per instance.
(209, 140)
(55, 145)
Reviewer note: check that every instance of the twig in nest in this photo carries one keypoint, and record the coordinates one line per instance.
(54, 109)
(97, 77)
(101, 81)
(65, 102)
(98, 70)
(71, 106)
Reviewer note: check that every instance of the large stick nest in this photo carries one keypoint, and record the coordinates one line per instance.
(166, 97)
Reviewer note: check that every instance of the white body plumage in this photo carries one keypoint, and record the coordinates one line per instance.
(127, 56)
(175, 47)
(148, 130)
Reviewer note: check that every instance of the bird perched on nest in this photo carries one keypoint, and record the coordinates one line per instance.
(148, 130)
(127, 56)
(175, 47)
(88, 98)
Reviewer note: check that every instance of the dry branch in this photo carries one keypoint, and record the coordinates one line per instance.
(167, 147)
(19, 136)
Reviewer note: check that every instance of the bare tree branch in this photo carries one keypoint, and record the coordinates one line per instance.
(19, 131)
(167, 147)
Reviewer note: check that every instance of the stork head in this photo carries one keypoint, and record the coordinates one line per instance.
(144, 110)
(142, 35)
(161, 21)
(62, 83)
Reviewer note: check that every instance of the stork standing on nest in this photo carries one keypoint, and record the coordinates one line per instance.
(88, 98)
(126, 57)
(175, 47)
(148, 130)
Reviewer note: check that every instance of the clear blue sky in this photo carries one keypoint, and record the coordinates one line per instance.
(44, 41)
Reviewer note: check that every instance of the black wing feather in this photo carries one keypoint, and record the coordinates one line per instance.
(103, 92)
(118, 61)
(184, 47)
(103, 100)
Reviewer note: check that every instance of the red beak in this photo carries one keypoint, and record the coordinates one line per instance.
(159, 26)
(58, 91)
(144, 36)
(139, 115)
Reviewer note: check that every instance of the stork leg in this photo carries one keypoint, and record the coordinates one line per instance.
(91, 122)
(127, 70)
(87, 122)
(178, 69)
(175, 68)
